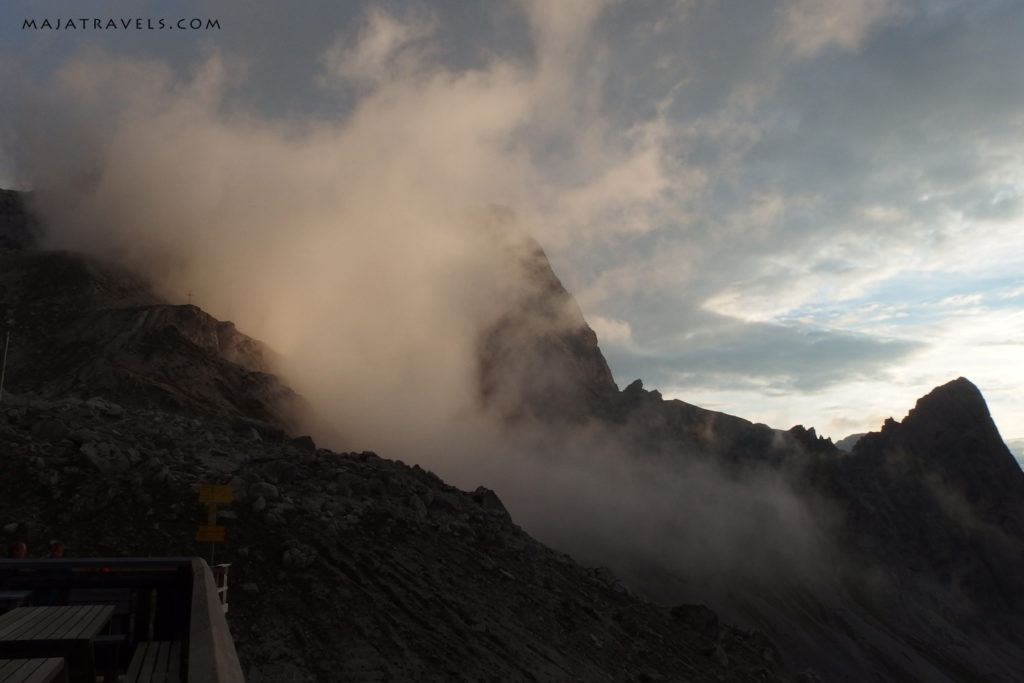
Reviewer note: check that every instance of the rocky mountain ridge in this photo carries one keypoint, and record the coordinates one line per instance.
(923, 578)
(126, 402)
(81, 327)
(345, 566)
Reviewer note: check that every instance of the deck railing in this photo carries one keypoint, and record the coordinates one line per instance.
(157, 599)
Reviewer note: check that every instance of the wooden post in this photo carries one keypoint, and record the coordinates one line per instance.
(3, 365)
(211, 520)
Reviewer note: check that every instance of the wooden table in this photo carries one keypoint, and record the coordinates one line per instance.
(64, 631)
(48, 670)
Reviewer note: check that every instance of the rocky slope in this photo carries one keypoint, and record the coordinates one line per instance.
(81, 327)
(541, 359)
(344, 566)
(920, 578)
(927, 586)
(125, 403)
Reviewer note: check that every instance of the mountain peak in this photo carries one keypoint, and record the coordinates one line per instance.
(956, 402)
(950, 431)
(541, 358)
(946, 410)
(954, 417)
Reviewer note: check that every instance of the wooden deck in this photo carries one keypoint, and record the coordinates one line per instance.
(56, 631)
(155, 662)
(46, 670)
(154, 600)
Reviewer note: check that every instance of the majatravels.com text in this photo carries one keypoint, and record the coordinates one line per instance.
(121, 24)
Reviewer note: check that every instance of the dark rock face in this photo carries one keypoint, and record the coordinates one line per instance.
(121, 400)
(79, 327)
(951, 433)
(348, 566)
(928, 514)
(344, 566)
(18, 230)
(940, 496)
(541, 359)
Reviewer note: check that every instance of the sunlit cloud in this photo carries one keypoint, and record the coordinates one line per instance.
(724, 186)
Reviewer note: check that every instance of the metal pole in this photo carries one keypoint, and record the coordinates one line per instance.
(3, 366)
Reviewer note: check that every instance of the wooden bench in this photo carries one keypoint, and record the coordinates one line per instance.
(66, 631)
(155, 662)
(41, 670)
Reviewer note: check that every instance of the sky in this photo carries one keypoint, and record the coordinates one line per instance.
(794, 211)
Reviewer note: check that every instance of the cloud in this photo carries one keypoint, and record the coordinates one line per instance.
(345, 245)
(960, 300)
(386, 48)
(371, 248)
(759, 206)
(676, 532)
(717, 351)
(843, 192)
(360, 247)
(1016, 447)
(614, 332)
(625, 194)
(809, 27)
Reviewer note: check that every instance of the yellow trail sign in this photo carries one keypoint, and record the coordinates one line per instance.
(210, 534)
(216, 494)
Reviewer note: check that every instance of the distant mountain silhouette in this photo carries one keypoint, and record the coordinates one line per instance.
(848, 442)
(926, 581)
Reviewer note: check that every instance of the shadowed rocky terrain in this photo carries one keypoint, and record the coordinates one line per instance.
(898, 561)
(345, 566)
(918, 573)
(79, 327)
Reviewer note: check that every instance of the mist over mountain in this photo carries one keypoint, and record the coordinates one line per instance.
(896, 561)
(344, 565)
